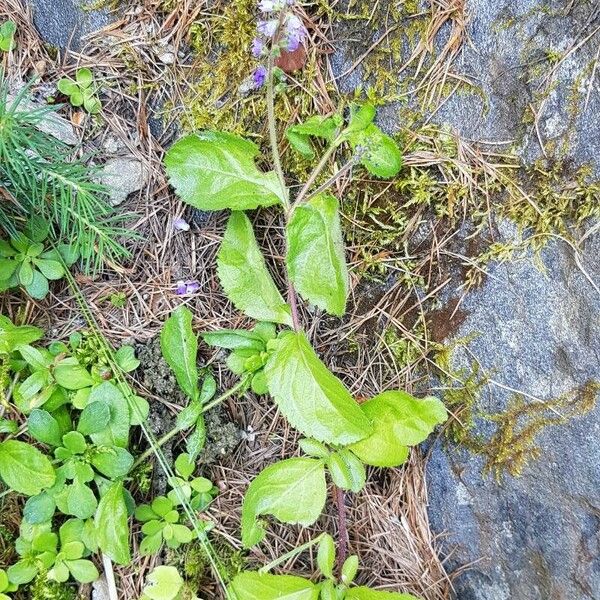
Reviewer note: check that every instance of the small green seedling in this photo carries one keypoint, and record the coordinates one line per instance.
(82, 91)
(25, 262)
(5, 585)
(164, 583)
(7, 35)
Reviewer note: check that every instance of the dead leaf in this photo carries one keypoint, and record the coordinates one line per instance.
(289, 62)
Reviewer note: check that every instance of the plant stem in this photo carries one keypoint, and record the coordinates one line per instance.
(316, 172)
(340, 501)
(333, 178)
(171, 434)
(273, 128)
(293, 552)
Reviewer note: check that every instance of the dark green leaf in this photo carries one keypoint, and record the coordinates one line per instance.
(24, 468)
(292, 490)
(310, 396)
(94, 418)
(179, 347)
(39, 509)
(197, 439)
(315, 256)
(244, 275)
(125, 358)
(117, 431)
(112, 526)
(112, 462)
(233, 339)
(44, 427)
(212, 171)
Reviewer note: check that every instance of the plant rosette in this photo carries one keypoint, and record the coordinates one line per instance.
(81, 91)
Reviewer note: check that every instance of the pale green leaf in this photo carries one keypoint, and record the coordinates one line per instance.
(315, 256)
(311, 398)
(244, 275)
(24, 468)
(164, 583)
(326, 555)
(179, 346)
(125, 358)
(112, 528)
(251, 585)
(293, 491)
(399, 420)
(213, 171)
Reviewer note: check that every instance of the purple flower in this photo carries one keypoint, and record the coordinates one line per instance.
(295, 33)
(267, 5)
(258, 46)
(181, 225)
(260, 76)
(268, 28)
(186, 287)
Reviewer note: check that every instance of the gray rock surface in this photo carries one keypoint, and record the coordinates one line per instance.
(123, 176)
(536, 537)
(64, 22)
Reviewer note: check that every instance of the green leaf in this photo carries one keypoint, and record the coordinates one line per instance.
(380, 153)
(92, 104)
(365, 593)
(84, 77)
(138, 410)
(94, 418)
(38, 288)
(244, 276)
(213, 171)
(164, 583)
(77, 98)
(75, 442)
(83, 570)
(189, 415)
(264, 586)
(317, 126)
(197, 439)
(14, 336)
(311, 398)
(234, 339)
(51, 269)
(66, 86)
(112, 526)
(179, 347)
(315, 256)
(399, 420)
(7, 267)
(326, 555)
(39, 509)
(346, 470)
(112, 462)
(313, 448)
(349, 569)
(360, 118)
(22, 572)
(184, 466)
(43, 427)
(24, 468)
(116, 432)
(292, 490)
(69, 374)
(81, 501)
(125, 358)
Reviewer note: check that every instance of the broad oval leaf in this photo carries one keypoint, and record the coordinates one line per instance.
(365, 593)
(399, 420)
(213, 170)
(310, 396)
(116, 432)
(315, 256)
(251, 585)
(380, 153)
(244, 275)
(24, 468)
(111, 521)
(44, 427)
(293, 491)
(179, 347)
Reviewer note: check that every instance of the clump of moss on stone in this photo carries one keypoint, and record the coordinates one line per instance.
(43, 588)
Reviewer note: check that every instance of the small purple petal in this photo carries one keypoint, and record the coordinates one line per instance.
(266, 5)
(192, 287)
(181, 288)
(268, 28)
(260, 76)
(181, 225)
(257, 47)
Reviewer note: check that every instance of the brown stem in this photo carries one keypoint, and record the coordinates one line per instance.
(340, 501)
(293, 300)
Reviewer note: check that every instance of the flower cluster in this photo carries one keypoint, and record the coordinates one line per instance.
(278, 30)
(183, 288)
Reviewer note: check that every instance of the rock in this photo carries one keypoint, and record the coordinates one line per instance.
(100, 589)
(64, 22)
(535, 536)
(52, 123)
(123, 176)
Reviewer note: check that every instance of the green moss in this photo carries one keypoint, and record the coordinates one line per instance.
(45, 589)
(513, 441)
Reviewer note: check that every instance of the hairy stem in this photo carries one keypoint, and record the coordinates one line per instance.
(171, 434)
(339, 173)
(273, 128)
(340, 501)
(316, 172)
